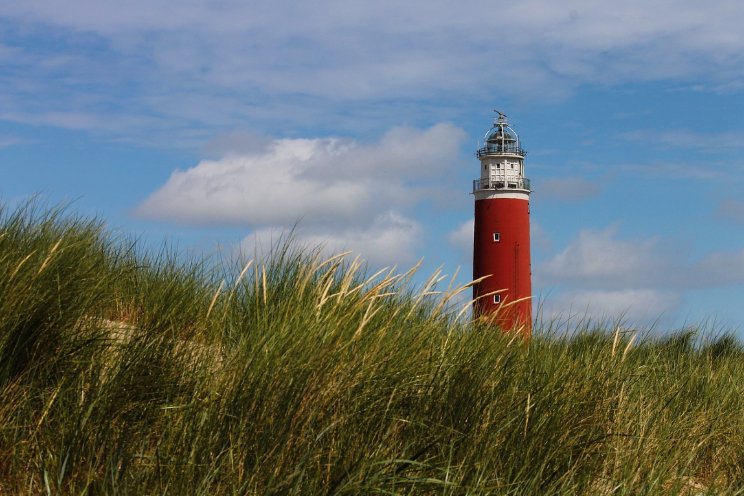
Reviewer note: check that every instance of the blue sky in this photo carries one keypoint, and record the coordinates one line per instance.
(216, 125)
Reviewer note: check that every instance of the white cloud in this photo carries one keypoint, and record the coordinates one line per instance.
(336, 192)
(602, 276)
(599, 259)
(689, 139)
(566, 188)
(635, 306)
(678, 170)
(461, 239)
(720, 268)
(314, 181)
(6, 141)
(539, 238)
(697, 139)
(244, 60)
(732, 210)
(391, 239)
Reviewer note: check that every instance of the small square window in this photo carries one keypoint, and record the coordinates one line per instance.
(498, 166)
(496, 237)
(497, 298)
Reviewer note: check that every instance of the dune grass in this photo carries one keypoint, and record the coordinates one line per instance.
(131, 373)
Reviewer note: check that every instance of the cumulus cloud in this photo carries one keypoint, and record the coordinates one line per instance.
(636, 306)
(720, 268)
(732, 210)
(566, 188)
(600, 259)
(391, 240)
(461, 239)
(339, 193)
(603, 275)
(317, 181)
(539, 238)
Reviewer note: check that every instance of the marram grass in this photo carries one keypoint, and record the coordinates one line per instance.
(127, 373)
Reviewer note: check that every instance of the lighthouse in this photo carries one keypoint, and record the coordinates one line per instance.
(501, 244)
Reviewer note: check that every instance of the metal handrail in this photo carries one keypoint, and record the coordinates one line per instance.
(507, 183)
(493, 149)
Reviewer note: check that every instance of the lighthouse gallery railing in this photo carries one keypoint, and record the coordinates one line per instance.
(492, 149)
(501, 183)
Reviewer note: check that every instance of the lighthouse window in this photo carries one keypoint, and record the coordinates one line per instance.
(497, 298)
(496, 237)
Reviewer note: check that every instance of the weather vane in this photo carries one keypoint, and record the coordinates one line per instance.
(502, 116)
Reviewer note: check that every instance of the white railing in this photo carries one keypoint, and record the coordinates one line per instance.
(501, 183)
(498, 149)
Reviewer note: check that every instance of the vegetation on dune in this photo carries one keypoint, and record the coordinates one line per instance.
(127, 373)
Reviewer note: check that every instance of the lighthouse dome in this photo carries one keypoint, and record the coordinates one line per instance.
(500, 134)
(501, 138)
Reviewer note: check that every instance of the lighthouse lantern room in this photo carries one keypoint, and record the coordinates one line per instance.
(501, 245)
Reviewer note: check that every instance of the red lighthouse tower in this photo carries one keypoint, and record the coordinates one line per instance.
(501, 247)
